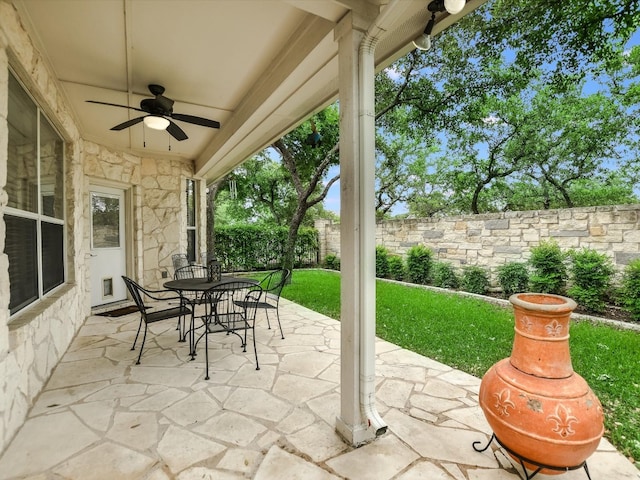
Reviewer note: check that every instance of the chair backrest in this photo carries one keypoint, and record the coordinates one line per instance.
(226, 294)
(190, 271)
(179, 260)
(135, 291)
(273, 283)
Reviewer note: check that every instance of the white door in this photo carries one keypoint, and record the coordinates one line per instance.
(108, 252)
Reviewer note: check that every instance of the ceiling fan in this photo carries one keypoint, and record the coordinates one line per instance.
(160, 112)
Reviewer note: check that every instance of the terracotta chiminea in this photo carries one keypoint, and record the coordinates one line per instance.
(540, 410)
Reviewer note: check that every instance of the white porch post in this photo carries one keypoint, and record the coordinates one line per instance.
(359, 421)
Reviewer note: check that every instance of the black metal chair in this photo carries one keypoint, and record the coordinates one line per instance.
(193, 298)
(140, 296)
(233, 308)
(272, 286)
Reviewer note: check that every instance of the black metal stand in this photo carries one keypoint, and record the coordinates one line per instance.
(523, 460)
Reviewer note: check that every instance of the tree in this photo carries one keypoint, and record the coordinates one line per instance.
(504, 53)
(307, 159)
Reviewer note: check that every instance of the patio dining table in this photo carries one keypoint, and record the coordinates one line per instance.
(200, 288)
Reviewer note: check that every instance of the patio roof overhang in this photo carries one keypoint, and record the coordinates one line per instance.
(259, 67)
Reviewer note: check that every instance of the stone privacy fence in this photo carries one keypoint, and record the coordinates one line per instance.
(491, 240)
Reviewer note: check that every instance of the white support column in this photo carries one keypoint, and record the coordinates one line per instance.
(358, 422)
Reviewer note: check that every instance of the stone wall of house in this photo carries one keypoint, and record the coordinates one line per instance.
(491, 240)
(33, 341)
(157, 194)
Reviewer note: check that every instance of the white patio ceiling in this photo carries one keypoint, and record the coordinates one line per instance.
(259, 67)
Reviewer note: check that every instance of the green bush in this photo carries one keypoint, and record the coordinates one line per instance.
(549, 269)
(419, 261)
(396, 267)
(332, 261)
(513, 278)
(261, 247)
(475, 280)
(630, 289)
(591, 275)
(444, 276)
(382, 262)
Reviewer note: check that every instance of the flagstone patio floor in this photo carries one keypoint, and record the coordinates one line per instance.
(103, 417)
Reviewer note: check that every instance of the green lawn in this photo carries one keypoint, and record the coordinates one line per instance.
(471, 335)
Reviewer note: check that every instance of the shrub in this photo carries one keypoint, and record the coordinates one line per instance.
(332, 261)
(549, 269)
(591, 274)
(444, 276)
(396, 267)
(382, 262)
(513, 278)
(419, 261)
(475, 280)
(630, 289)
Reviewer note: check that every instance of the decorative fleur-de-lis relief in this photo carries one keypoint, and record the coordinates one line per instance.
(563, 420)
(503, 401)
(526, 322)
(554, 329)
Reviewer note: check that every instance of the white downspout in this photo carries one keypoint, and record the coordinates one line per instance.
(366, 75)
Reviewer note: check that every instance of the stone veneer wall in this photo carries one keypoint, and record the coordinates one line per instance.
(33, 341)
(491, 240)
(158, 197)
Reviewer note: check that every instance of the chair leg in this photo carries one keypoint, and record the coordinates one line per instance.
(255, 350)
(144, 338)
(266, 312)
(133, 347)
(244, 342)
(279, 324)
(206, 349)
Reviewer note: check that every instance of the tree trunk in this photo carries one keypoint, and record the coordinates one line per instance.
(290, 249)
(211, 217)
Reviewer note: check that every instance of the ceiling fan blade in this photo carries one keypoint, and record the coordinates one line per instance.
(176, 132)
(127, 124)
(204, 122)
(114, 105)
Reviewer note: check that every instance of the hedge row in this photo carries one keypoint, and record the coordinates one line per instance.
(584, 275)
(252, 247)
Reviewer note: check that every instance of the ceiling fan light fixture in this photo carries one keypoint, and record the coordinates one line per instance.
(155, 122)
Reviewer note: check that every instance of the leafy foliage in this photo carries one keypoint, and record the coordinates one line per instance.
(443, 275)
(631, 288)
(259, 247)
(513, 278)
(397, 270)
(475, 279)
(419, 261)
(591, 276)
(382, 262)
(332, 261)
(549, 268)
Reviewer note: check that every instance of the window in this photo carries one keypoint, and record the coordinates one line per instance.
(34, 216)
(191, 220)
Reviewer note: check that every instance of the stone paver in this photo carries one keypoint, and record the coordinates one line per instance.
(103, 417)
